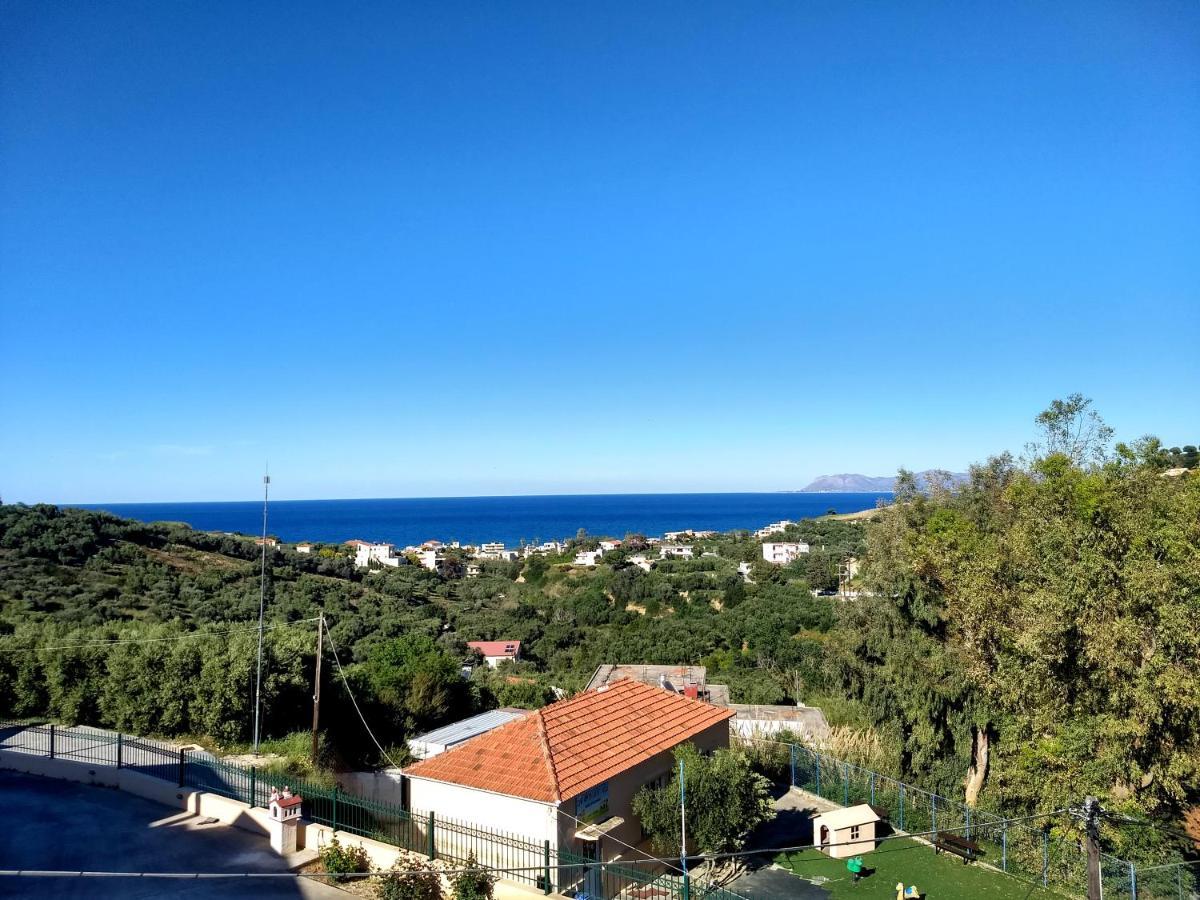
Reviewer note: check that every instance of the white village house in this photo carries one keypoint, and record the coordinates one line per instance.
(567, 773)
(496, 652)
(380, 554)
(588, 557)
(774, 528)
(681, 551)
(783, 553)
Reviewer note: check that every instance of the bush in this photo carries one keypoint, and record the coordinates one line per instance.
(410, 878)
(473, 883)
(341, 860)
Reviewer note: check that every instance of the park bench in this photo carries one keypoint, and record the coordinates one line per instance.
(959, 846)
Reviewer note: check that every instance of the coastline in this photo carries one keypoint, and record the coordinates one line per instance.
(474, 520)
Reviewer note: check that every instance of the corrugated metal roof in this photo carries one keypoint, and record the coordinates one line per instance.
(457, 732)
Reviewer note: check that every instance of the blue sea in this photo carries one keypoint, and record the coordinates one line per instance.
(508, 519)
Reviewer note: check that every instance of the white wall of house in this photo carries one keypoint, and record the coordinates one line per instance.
(516, 815)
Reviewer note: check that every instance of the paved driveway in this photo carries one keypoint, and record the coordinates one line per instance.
(51, 824)
(776, 884)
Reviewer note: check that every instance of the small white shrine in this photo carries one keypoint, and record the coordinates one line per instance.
(285, 819)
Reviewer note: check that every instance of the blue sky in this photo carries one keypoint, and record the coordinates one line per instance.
(490, 248)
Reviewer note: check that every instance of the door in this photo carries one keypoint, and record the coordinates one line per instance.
(593, 875)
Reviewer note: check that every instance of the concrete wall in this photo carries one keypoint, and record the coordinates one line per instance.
(531, 820)
(379, 787)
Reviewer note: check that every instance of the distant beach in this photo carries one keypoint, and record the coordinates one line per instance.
(507, 519)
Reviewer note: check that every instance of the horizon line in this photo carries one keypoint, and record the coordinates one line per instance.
(84, 504)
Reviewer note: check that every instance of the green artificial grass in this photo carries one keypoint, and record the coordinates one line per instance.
(939, 877)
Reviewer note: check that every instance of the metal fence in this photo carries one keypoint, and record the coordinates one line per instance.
(1026, 850)
(519, 858)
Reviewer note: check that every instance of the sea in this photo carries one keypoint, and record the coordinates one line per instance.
(473, 520)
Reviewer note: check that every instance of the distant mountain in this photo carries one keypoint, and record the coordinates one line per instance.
(828, 484)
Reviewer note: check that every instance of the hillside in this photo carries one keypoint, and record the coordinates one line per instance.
(1023, 639)
(846, 483)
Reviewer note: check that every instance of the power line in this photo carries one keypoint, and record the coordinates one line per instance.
(179, 637)
(541, 867)
(361, 717)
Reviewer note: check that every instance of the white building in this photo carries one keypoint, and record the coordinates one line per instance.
(495, 550)
(588, 557)
(473, 569)
(782, 554)
(679, 551)
(774, 528)
(304, 548)
(609, 545)
(744, 571)
(686, 534)
(382, 554)
(431, 559)
(566, 774)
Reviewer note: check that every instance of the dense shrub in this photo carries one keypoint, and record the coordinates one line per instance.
(341, 860)
(473, 882)
(410, 878)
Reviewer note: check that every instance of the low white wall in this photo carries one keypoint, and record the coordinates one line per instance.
(528, 819)
(378, 787)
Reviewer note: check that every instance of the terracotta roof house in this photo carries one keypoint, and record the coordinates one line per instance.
(496, 652)
(567, 773)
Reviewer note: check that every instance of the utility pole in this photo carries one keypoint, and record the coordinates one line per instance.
(1091, 813)
(683, 832)
(317, 686)
(262, 602)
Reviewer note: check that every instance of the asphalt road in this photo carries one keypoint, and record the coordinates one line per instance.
(58, 825)
(776, 884)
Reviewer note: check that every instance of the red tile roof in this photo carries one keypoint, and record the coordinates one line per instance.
(570, 746)
(496, 648)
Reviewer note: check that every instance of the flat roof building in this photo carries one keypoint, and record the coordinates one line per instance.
(430, 744)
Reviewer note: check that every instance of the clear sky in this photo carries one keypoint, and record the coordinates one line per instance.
(490, 248)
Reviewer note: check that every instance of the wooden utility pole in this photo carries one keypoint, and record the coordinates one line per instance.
(1091, 812)
(317, 685)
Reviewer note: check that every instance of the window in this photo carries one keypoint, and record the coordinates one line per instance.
(854, 832)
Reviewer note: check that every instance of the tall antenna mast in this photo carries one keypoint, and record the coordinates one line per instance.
(262, 603)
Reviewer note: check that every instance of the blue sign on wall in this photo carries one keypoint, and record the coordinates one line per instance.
(592, 804)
